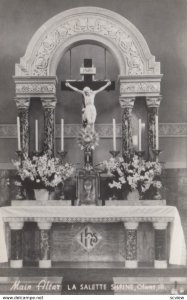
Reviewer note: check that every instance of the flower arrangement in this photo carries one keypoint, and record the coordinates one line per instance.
(88, 139)
(42, 171)
(134, 174)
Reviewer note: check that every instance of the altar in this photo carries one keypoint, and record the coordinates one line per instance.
(86, 237)
(104, 200)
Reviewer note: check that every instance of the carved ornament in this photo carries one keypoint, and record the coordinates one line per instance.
(139, 87)
(153, 101)
(88, 238)
(35, 88)
(131, 225)
(49, 102)
(160, 225)
(88, 24)
(22, 102)
(88, 219)
(126, 102)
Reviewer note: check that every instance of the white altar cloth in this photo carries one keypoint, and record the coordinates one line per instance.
(99, 214)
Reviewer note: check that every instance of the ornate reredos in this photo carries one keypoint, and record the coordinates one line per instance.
(82, 24)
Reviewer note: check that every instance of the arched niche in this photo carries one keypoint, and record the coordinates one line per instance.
(92, 23)
(35, 75)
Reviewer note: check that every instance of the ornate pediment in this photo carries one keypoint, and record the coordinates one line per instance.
(87, 23)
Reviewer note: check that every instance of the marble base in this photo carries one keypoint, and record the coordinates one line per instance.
(16, 263)
(45, 263)
(135, 203)
(99, 203)
(131, 264)
(41, 203)
(160, 264)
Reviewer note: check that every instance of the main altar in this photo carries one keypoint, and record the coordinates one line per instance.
(101, 220)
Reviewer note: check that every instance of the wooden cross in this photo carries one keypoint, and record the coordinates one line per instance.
(88, 72)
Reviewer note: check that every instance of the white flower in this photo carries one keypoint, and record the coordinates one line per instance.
(120, 173)
(122, 180)
(121, 160)
(115, 184)
(157, 184)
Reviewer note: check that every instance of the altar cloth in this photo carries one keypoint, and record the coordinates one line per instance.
(99, 214)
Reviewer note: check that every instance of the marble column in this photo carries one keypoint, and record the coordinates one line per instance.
(131, 245)
(160, 261)
(16, 256)
(127, 106)
(23, 113)
(153, 104)
(45, 258)
(49, 105)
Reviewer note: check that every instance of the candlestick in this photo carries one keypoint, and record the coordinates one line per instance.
(20, 155)
(62, 135)
(36, 135)
(62, 154)
(114, 153)
(140, 135)
(140, 153)
(156, 153)
(156, 132)
(19, 135)
(114, 134)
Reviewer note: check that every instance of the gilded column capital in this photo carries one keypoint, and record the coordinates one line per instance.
(153, 101)
(131, 225)
(22, 103)
(127, 102)
(16, 225)
(49, 102)
(44, 225)
(160, 225)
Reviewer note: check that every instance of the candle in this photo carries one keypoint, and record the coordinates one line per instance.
(156, 132)
(135, 140)
(62, 134)
(114, 134)
(140, 135)
(36, 135)
(19, 135)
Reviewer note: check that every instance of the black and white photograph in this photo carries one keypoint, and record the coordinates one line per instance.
(93, 148)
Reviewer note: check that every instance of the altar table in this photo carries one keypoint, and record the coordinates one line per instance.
(160, 216)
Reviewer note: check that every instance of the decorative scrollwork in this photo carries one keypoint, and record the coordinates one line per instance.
(33, 88)
(101, 26)
(131, 244)
(139, 87)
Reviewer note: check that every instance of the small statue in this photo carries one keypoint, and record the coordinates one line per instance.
(89, 110)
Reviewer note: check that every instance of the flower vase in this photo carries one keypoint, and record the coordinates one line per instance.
(157, 195)
(51, 195)
(41, 194)
(133, 195)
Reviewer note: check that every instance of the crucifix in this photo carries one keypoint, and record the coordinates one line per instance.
(88, 87)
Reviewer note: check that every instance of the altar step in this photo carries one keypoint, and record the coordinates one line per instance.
(114, 268)
(92, 278)
(93, 282)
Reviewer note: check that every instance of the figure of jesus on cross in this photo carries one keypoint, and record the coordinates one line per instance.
(89, 110)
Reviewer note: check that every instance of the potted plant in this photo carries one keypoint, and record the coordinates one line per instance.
(134, 175)
(42, 173)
